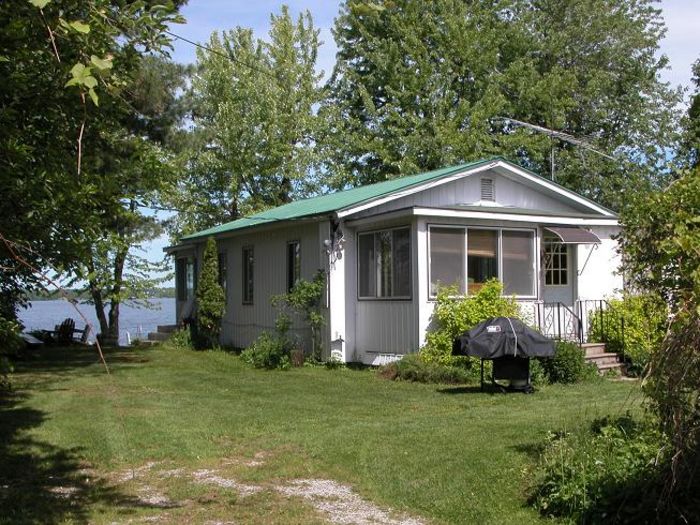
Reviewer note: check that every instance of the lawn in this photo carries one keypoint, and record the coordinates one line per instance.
(175, 435)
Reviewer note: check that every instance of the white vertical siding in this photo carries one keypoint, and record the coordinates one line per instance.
(599, 275)
(467, 190)
(243, 323)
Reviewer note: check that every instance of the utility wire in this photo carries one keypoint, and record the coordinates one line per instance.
(219, 53)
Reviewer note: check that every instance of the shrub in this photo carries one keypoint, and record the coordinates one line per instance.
(597, 475)
(645, 318)
(268, 351)
(211, 302)
(181, 338)
(568, 365)
(305, 299)
(456, 314)
(412, 368)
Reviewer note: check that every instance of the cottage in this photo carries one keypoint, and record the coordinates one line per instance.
(387, 247)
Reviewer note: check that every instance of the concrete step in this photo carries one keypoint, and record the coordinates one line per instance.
(158, 336)
(603, 359)
(593, 348)
(167, 328)
(618, 367)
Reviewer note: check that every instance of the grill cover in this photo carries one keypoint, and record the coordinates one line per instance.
(496, 337)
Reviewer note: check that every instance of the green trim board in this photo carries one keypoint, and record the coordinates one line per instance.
(333, 202)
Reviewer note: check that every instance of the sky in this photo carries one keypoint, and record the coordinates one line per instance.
(681, 44)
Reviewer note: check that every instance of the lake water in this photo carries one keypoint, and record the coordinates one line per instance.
(133, 322)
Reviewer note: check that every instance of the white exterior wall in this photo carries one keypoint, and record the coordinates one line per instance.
(599, 275)
(467, 190)
(243, 323)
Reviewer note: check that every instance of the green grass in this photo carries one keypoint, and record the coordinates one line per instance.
(444, 454)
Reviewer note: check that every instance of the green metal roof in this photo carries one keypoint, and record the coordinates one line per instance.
(326, 204)
(332, 202)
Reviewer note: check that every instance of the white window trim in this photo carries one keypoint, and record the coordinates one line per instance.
(357, 262)
(500, 230)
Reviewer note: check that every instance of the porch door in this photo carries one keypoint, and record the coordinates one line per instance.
(558, 261)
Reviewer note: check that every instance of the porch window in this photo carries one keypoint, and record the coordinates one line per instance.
(482, 254)
(482, 257)
(293, 264)
(446, 258)
(518, 262)
(385, 264)
(248, 266)
(556, 263)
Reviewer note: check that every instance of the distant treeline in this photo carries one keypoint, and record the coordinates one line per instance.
(156, 293)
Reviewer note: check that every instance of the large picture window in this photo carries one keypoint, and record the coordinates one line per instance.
(248, 267)
(384, 264)
(481, 254)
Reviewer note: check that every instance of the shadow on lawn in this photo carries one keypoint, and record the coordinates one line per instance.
(475, 389)
(42, 483)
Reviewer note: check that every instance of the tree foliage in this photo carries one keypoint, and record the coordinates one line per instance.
(211, 302)
(419, 85)
(254, 123)
(65, 68)
(661, 254)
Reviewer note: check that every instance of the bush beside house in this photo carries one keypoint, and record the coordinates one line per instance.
(211, 302)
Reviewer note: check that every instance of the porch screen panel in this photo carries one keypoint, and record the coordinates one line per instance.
(367, 267)
(482, 257)
(518, 263)
(447, 246)
(402, 263)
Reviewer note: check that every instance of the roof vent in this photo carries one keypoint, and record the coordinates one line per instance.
(487, 193)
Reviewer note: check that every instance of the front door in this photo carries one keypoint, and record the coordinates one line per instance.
(559, 274)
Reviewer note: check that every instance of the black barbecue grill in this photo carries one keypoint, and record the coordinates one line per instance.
(510, 344)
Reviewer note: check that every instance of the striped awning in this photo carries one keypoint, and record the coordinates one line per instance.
(573, 235)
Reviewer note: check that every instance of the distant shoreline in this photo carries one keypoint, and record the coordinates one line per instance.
(158, 293)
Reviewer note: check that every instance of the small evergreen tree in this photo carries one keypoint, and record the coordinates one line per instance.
(211, 303)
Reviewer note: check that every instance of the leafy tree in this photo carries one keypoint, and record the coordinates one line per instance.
(211, 302)
(254, 118)
(690, 151)
(419, 85)
(661, 253)
(64, 66)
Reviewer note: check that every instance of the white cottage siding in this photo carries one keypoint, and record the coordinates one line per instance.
(468, 191)
(599, 275)
(243, 323)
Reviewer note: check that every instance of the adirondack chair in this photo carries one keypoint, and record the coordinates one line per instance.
(64, 331)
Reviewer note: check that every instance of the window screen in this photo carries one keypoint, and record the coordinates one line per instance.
(447, 247)
(482, 257)
(518, 262)
(384, 262)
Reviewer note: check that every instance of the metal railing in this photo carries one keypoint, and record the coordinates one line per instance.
(603, 324)
(558, 321)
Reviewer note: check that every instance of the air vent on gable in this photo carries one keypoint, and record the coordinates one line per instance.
(487, 193)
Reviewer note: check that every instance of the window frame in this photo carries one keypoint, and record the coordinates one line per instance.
(565, 272)
(245, 299)
(372, 232)
(293, 271)
(499, 256)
